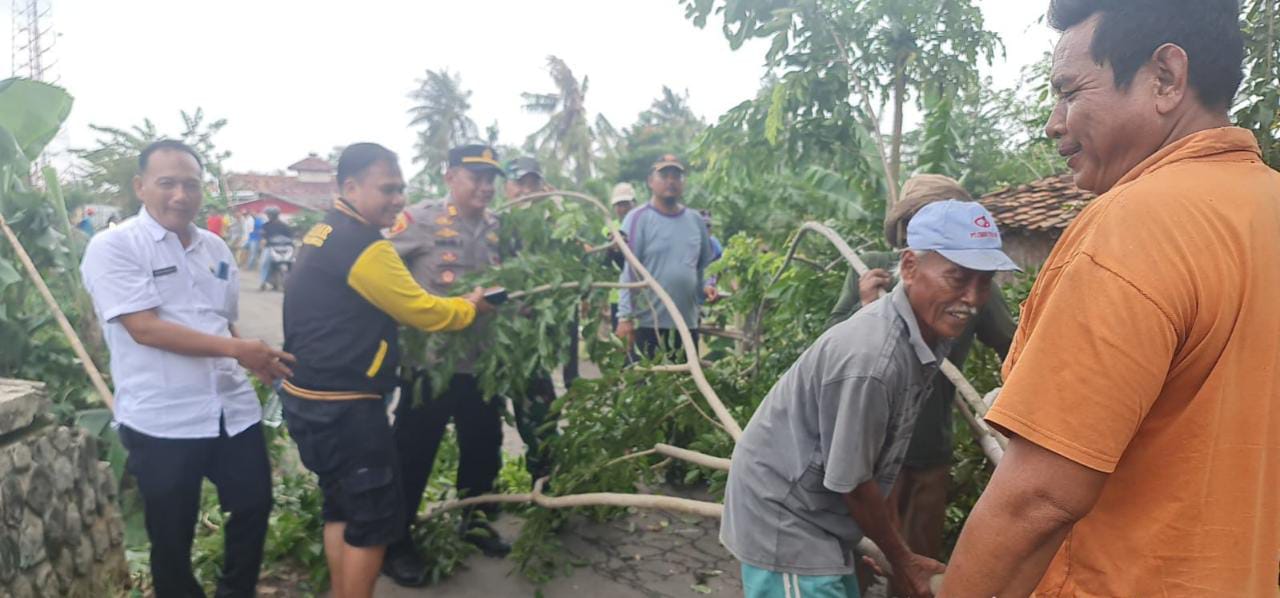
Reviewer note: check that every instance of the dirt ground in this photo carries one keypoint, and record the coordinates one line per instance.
(650, 554)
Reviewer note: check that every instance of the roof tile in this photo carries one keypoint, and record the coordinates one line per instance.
(1043, 205)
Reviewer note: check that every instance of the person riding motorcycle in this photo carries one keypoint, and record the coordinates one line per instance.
(277, 240)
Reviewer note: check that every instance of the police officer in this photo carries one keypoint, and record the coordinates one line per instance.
(341, 309)
(440, 241)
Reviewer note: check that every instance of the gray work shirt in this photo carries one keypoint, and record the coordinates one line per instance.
(842, 415)
(439, 246)
(675, 249)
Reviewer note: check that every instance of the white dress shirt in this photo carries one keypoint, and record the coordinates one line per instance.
(137, 266)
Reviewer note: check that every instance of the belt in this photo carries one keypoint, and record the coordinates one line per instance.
(328, 395)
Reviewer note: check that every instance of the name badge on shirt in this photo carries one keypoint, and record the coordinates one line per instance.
(164, 271)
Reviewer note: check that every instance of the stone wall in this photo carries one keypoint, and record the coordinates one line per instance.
(60, 527)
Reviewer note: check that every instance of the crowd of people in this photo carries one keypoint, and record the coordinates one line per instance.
(1141, 379)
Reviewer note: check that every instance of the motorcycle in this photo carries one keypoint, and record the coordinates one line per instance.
(280, 252)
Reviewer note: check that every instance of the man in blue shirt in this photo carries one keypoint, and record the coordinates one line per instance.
(673, 244)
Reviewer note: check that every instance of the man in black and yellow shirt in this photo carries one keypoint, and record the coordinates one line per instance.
(343, 303)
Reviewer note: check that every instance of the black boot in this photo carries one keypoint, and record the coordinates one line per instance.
(475, 529)
(404, 565)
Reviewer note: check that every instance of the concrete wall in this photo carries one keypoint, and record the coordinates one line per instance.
(1029, 250)
(60, 527)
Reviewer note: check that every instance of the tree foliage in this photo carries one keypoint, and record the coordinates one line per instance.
(888, 51)
(440, 111)
(989, 138)
(1258, 105)
(669, 125)
(107, 168)
(570, 138)
(34, 347)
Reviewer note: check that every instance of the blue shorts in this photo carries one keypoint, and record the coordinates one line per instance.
(762, 583)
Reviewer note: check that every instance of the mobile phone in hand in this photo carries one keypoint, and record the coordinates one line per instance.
(496, 296)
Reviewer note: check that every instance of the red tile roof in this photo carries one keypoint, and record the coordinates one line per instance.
(1045, 205)
(312, 163)
(317, 196)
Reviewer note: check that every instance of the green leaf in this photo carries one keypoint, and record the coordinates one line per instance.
(8, 274)
(32, 112)
(700, 588)
(94, 421)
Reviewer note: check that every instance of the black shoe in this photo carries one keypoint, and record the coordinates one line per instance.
(482, 535)
(405, 567)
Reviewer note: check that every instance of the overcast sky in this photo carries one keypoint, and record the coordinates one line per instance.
(293, 77)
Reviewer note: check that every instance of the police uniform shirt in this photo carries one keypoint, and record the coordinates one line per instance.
(439, 246)
(139, 266)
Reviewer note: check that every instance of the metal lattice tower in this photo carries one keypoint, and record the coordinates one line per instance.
(33, 40)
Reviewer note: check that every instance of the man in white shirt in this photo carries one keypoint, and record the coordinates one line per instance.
(166, 294)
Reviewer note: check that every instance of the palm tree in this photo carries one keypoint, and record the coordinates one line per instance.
(569, 136)
(668, 126)
(440, 108)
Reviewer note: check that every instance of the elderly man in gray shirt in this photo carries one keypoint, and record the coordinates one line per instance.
(813, 467)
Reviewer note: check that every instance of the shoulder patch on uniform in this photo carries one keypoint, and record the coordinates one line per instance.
(317, 235)
(403, 220)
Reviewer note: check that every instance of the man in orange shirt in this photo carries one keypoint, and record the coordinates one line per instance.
(1143, 386)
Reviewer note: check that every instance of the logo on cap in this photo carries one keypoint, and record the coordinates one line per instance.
(983, 222)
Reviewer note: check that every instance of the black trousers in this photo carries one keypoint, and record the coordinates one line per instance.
(531, 414)
(651, 342)
(169, 473)
(419, 430)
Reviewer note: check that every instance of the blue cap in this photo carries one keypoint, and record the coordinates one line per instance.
(963, 232)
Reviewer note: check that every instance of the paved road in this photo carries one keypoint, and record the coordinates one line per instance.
(650, 554)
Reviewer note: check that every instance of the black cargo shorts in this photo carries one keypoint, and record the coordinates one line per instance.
(349, 445)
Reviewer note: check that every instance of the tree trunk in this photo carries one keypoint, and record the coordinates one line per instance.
(899, 99)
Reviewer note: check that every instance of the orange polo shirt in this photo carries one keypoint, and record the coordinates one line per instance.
(1149, 349)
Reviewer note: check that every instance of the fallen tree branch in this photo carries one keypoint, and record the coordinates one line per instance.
(686, 338)
(678, 368)
(573, 285)
(869, 549)
(590, 499)
(694, 457)
(811, 263)
(736, 335)
(973, 400)
(635, 455)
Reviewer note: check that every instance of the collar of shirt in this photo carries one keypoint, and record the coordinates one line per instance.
(1211, 143)
(487, 219)
(926, 354)
(158, 232)
(344, 207)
